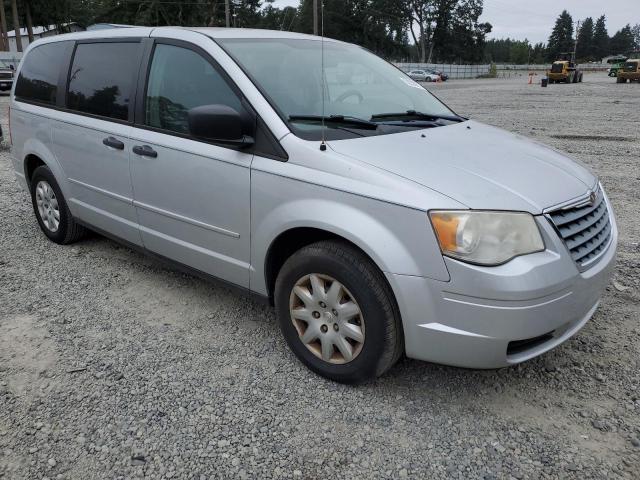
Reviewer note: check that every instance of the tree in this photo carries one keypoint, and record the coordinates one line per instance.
(519, 52)
(3, 27)
(538, 53)
(561, 39)
(600, 39)
(622, 41)
(584, 50)
(636, 36)
(16, 24)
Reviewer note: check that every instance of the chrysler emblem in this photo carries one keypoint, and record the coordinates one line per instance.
(592, 198)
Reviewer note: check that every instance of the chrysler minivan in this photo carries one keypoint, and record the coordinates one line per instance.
(322, 179)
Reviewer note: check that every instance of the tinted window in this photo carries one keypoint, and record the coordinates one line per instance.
(38, 77)
(101, 78)
(181, 79)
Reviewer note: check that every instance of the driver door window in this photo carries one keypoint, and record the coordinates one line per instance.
(179, 80)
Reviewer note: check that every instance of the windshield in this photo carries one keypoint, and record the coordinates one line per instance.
(359, 85)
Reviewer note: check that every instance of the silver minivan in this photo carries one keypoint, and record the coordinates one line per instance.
(322, 179)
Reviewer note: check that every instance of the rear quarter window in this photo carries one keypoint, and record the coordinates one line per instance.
(38, 78)
(102, 78)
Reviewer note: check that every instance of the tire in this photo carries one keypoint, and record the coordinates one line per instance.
(47, 205)
(428, 79)
(363, 288)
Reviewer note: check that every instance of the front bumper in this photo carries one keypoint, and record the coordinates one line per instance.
(629, 76)
(491, 317)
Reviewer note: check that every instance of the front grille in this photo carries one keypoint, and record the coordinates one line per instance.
(6, 75)
(586, 230)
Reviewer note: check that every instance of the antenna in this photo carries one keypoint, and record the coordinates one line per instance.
(323, 144)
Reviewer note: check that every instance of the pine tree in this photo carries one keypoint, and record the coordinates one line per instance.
(600, 39)
(561, 39)
(622, 42)
(584, 52)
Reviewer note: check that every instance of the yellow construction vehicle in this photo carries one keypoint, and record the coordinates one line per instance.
(565, 70)
(629, 71)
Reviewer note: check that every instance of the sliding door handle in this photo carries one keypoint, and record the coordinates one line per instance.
(113, 143)
(145, 151)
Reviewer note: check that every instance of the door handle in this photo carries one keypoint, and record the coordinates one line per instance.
(145, 151)
(113, 143)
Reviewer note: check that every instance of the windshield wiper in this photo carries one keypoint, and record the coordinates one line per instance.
(341, 119)
(414, 115)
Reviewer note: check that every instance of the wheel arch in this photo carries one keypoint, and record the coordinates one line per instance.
(290, 241)
(34, 154)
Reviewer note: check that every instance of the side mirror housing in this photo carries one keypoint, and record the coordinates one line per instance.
(221, 124)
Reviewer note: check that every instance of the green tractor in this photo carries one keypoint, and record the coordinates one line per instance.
(616, 63)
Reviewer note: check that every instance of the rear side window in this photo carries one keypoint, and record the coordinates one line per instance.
(102, 77)
(181, 79)
(38, 79)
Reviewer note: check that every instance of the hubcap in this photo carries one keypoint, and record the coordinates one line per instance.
(327, 318)
(47, 204)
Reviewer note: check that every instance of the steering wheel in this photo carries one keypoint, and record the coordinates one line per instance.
(350, 93)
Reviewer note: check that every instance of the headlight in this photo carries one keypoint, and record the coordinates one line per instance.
(486, 238)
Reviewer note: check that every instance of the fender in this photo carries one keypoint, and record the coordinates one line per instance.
(398, 239)
(34, 146)
(26, 117)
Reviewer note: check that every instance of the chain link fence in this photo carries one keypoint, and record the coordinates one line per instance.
(491, 70)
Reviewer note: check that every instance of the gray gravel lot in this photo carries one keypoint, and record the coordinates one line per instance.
(113, 365)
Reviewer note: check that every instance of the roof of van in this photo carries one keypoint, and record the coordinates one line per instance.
(212, 32)
(222, 32)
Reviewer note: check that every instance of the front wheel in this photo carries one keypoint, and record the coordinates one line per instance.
(337, 313)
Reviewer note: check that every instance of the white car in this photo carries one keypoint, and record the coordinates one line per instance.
(423, 76)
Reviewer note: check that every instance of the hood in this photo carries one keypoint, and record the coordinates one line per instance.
(480, 166)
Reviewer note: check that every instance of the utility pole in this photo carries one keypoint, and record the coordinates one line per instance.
(227, 13)
(315, 17)
(575, 45)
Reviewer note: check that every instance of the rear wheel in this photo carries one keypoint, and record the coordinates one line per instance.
(51, 209)
(337, 313)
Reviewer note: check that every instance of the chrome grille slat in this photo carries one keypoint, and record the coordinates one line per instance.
(584, 223)
(597, 242)
(587, 234)
(585, 230)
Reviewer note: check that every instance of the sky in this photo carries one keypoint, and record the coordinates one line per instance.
(534, 20)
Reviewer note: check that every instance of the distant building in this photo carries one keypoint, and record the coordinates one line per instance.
(105, 26)
(39, 32)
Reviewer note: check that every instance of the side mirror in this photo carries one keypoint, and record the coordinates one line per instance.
(221, 124)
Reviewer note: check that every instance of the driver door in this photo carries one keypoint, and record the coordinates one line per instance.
(191, 197)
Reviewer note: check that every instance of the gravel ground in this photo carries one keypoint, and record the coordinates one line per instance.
(115, 366)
